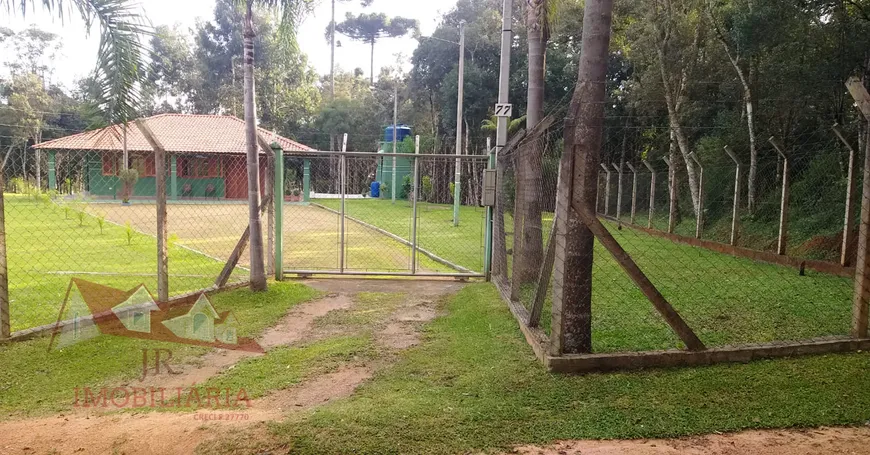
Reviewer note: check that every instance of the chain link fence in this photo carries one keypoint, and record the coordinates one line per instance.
(781, 271)
(88, 214)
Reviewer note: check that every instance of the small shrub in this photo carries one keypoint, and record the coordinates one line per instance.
(128, 179)
(406, 188)
(17, 185)
(101, 221)
(128, 230)
(384, 190)
(81, 216)
(452, 188)
(427, 188)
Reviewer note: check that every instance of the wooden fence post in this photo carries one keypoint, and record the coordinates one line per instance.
(699, 219)
(618, 190)
(652, 193)
(5, 321)
(162, 230)
(633, 191)
(672, 194)
(862, 265)
(278, 199)
(782, 244)
(735, 213)
(606, 190)
(849, 220)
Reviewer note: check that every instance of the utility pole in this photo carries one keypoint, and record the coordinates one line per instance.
(395, 136)
(495, 224)
(457, 180)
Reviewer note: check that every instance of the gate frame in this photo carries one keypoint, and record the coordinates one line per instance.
(412, 243)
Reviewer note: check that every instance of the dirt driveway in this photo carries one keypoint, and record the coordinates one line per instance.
(395, 321)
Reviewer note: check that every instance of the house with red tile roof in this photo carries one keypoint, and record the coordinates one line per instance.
(206, 154)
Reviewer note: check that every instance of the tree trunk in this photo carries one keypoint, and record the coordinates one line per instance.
(258, 274)
(671, 99)
(528, 235)
(372, 81)
(584, 127)
(332, 55)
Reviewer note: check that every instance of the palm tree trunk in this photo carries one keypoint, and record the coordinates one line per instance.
(258, 274)
(528, 236)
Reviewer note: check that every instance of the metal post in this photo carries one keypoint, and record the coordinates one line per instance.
(306, 180)
(782, 244)
(395, 139)
(735, 214)
(414, 192)
(699, 219)
(487, 241)
(652, 193)
(278, 196)
(633, 191)
(849, 219)
(457, 180)
(343, 189)
(498, 260)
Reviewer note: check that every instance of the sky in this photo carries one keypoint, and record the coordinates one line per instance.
(78, 55)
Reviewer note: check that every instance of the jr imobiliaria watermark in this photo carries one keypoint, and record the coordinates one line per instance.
(90, 310)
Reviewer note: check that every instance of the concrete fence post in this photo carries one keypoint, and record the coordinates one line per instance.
(606, 190)
(652, 193)
(633, 191)
(782, 243)
(699, 217)
(735, 211)
(618, 190)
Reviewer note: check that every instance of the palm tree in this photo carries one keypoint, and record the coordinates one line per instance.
(490, 125)
(118, 75)
(528, 235)
(290, 11)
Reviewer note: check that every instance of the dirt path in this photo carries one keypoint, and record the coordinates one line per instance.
(826, 441)
(88, 432)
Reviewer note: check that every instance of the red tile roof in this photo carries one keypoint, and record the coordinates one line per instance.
(178, 133)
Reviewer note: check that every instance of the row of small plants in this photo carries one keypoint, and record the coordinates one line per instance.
(72, 208)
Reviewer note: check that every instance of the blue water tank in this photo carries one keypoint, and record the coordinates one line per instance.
(402, 131)
(376, 189)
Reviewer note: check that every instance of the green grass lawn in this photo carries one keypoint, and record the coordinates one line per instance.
(34, 380)
(474, 385)
(725, 299)
(462, 245)
(47, 245)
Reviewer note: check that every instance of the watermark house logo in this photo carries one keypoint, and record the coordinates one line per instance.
(91, 309)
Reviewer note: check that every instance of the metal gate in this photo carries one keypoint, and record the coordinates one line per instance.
(354, 213)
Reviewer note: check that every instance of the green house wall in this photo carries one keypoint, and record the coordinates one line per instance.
(109, 185)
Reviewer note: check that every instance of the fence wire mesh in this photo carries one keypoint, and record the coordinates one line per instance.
(85, 214)
(729, 293)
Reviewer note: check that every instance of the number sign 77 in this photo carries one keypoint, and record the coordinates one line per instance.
(504, 110)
